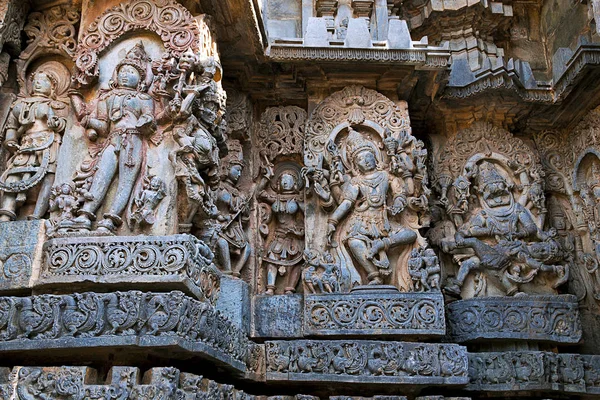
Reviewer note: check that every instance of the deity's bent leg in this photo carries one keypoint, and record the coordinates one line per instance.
(130, 164)
(42, 203)
(222, 250)
(244, 255)
(106, 169)
(9, 202)
(293, 276)
(271, 276)
(360, 252)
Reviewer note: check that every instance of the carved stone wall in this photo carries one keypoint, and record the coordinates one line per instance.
(284, 197)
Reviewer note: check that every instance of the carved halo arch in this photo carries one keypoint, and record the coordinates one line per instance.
(173, 23)
(351, 106)
(577, 170)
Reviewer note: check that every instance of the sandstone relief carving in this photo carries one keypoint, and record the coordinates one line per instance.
(368, 173)
(491, 193)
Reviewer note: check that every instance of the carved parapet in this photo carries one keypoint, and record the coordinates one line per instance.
(400, 363)
(21, 247)
(124, 319)
(389, 314)
(513, 371)
(532, 318)
(123, 382)
(175, 261)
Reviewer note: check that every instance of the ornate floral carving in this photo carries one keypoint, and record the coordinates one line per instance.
(544, 318)
(12, 19)
(239, 115)
(112, 259)
(397, 314)
(27, 321)
(366, 361)
(174, 24)
(281, 131)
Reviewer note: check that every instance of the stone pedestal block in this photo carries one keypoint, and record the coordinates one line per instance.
(277, 316)
(375, 314)
(140, 262)
(532, 318)
(234, 302)
(20, 250)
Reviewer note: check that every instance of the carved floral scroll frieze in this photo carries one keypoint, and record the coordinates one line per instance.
(542, 318)
(131, 259)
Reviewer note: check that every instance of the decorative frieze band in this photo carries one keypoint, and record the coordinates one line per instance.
(366, 362)
(534, 318)
(176, 260)
(120, 319)
(534, 370)
(394, 314)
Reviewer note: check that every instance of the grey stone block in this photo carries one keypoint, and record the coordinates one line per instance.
(316, 33)
(398, 34)
(358, 35)
(277, 316)
(234, 302)
(20, 249)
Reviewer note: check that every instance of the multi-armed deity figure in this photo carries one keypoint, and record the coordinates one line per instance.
(367, 194)
(503, 238)
(224, 229)
(33, 138)
(285, 245)
(124, 118)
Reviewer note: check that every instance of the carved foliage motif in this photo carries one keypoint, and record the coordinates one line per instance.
(134, 313)
(12, 18)
(554, 319)
(281, 131)
(172, 22)
(366, 361)
(382, 314)
(123, 258)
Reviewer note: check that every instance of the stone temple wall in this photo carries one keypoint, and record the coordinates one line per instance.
(299, 199)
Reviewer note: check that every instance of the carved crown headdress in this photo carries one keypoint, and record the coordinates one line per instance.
(357, 143)
(488, 174)
(137, 58)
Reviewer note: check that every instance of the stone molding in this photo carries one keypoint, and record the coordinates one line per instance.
(134, 260)
(534, 370)
(532, 318)
(366, 362)
(134, 318)
(398, 314)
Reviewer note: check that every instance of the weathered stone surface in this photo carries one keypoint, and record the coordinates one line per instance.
(514, 371)
(20, 251)
(366, 362)
(122, 319)
(177, 261)
(277, 316)
(531, 318)
(234, 302)
(417, 315)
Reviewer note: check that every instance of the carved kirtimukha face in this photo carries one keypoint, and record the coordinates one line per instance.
(235, 172)
(187, 60)
(128, 77)
(42, 84)
(365, 160)
(287, 182)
